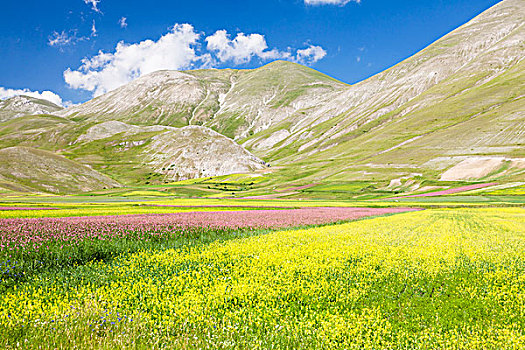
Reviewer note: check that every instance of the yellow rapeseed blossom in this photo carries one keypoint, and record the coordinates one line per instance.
(440, 278)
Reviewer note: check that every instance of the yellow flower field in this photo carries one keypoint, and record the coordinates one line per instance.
(440, 278)
(104, 210)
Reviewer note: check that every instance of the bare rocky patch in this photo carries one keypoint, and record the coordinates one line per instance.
(474, 168)
(195, 152)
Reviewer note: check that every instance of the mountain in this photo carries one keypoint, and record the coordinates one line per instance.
(444, 84)
(453, 112)
(236, 103)
(18, 106)
(461, 97)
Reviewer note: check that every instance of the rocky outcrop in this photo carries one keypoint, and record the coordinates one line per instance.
(195, 151)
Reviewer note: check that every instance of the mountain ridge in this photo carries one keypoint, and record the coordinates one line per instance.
(203, 97)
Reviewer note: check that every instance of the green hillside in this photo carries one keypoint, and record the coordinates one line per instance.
(25, 169)
(460, 99)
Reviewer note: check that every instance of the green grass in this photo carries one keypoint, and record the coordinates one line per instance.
(229, 129)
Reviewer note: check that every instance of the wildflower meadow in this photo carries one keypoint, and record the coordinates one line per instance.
(432, 279)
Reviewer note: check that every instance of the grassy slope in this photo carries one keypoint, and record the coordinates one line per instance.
(279, 83)
(486, 120)
(44, 171)
(40, 131)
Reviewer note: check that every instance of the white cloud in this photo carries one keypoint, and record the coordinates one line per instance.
(123, 23)
(45, 95)
(60, 39)
(242, 48)
(107, 71)
(310, 55)
(94, 5)
(329, 2)
(63, 38)
(181, 48)
(93, 29)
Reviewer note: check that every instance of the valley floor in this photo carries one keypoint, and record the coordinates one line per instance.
(432, 278)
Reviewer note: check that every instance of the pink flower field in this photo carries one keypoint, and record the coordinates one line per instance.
(35, 232)
(240, 207)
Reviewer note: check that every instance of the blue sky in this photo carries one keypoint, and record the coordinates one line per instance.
(43, 43)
